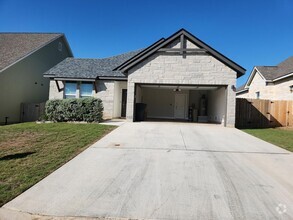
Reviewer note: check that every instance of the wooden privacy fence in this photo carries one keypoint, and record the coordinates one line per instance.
(31, 111)
(258, 113)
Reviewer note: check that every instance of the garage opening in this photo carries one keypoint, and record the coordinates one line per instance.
(193, 103)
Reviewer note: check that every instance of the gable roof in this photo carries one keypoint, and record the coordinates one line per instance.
(16, 46)
(269, 73)
(273, 72)
(163, 42)
(241, 89)
(116, 66)
(90, 68)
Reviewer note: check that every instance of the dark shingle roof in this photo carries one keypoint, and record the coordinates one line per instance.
(14, 46)
(240, 88)
(274, 72)
(90, 68)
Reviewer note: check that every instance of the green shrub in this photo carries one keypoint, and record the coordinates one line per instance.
(83, 109)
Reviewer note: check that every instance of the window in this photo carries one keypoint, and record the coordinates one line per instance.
(86, 90)
(257, 95)
(70, 90)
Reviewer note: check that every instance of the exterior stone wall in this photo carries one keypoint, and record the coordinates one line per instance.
(282, 89)
(164, 68)
(105, 93)
(258, 84)
(53, 92)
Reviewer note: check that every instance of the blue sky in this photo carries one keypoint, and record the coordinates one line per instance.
(250, 32)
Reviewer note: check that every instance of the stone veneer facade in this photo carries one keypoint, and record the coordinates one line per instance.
(163, 68)
(105, 93)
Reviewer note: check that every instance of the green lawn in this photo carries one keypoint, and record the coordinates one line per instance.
(30, 151)
(278, 136)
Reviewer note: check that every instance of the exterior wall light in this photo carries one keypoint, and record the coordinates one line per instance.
(233, 88)
(291, 88)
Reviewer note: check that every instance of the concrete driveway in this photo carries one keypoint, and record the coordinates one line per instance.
(162, 170)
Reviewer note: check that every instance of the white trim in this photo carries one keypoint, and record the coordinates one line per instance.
(30, 53)
(260, 74)
(281, 77)
(242, 90)
(252, 74)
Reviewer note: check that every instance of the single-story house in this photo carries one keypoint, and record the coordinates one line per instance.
(179, 77)
(269, 82)
(24, 57)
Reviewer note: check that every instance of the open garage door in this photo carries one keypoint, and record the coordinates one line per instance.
(195, 103)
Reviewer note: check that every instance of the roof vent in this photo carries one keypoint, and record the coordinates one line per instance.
(60, 46)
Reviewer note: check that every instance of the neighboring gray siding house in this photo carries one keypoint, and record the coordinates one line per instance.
(269, 82)
(170, 76)
(24, 57)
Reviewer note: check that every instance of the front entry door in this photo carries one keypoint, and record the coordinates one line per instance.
(123, 103)
(180, 106)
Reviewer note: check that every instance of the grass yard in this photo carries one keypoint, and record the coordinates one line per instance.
(29, 152)
(281, 137)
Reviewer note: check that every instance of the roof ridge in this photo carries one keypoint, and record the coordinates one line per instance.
(132, 51)
(104, 58)
(285, 62)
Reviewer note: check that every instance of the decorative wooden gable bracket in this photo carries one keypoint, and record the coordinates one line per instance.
(95, 86)
(58, 86)
(182, 45)
(183, 50)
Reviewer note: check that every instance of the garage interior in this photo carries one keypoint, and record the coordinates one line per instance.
(194, 103)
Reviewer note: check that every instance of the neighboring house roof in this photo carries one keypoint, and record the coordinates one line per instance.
(270, 73)
(90, 68)
(16, 46)
(163, 42)
(241, 89)
(273, 72)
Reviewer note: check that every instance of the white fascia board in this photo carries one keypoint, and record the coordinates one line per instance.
(243, 90)
(252, 74)
(282, 77)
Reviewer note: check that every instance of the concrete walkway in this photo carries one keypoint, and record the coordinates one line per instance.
(115, 122)
(162, 170)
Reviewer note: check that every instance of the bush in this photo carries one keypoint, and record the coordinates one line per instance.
(83, 109)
